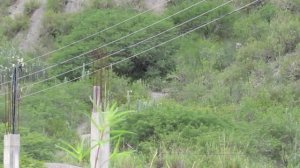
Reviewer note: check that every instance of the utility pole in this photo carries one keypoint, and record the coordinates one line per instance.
(100, 131)
(95, 132)
(11, 157)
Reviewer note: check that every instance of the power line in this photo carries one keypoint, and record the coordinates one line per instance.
(128, 35)
(110, 65)
(174, 27)
(85, 38)
(89, 36)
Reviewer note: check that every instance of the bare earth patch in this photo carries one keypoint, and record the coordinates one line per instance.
(34, 32)
(73, 6)
(59, 165)
(158, 5)
(17, 8)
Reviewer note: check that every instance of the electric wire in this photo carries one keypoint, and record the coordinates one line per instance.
(107, 44)
(89, 36)
(118, 62)
(136, 44)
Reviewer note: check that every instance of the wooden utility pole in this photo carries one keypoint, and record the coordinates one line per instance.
(11, 151)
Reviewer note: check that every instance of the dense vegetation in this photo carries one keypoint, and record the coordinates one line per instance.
(233, 87)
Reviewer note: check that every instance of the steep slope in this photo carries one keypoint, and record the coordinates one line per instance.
(73, 6)
(30, 40)
(17, 8)
(33, 35)
(158, 5)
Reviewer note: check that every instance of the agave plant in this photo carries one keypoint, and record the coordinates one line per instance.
(108, 118)
(79, 151)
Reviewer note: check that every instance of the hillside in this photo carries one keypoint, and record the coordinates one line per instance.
(200, 86)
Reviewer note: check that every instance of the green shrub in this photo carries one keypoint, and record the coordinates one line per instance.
(154, 63)
(55, 24)
(256, 51)
(37, 146)
(56, 5)
(274, 44)
(52, 113)
(221, 28)
(286, 35)
(250, 26)
(9, 54)
(198, 55)
(31, 6)
(28, 162)
(290, 67)
(158, 124)
(99, 4)
(139, 90)
(291, 5)
(13, 26)
(267, 12)
(298, 48)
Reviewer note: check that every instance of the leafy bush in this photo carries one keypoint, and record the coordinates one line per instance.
(9, 55)
(154, 63)
(257, 51)
(55, 24)
(56, 5)
(34, 147)
(37, 146)
(31, 6)
(159, 124)
(98, 4)
(221, 28)
(291, 5)
(290, 67)
(13, 26)
(250, 26)
(57, 112)
(286, 35)
(28, 162)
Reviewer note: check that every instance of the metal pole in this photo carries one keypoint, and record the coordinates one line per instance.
(14, 100)
(11, 158)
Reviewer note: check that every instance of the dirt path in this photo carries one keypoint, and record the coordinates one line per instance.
(31, 39)
(59, 165)
(156, 96)
(73, 6)
(33, 34)
(158, 5)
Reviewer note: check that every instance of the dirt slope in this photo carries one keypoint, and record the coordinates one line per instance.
(158, 5)
(34, 32)
(74, 6)
(17, 8)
